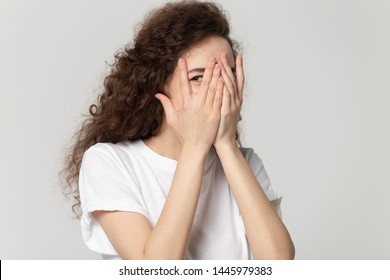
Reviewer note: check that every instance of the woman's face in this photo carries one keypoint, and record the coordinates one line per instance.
(197, 58)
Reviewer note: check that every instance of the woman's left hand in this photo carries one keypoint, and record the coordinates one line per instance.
(231, 102)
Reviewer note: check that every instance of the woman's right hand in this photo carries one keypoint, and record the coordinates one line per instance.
(196, 122)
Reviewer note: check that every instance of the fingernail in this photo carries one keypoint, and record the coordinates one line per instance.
(211, 59)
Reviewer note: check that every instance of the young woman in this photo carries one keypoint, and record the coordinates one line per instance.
(157, 168)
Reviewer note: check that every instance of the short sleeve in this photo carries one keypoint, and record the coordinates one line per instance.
(104, 184)
(259, 171)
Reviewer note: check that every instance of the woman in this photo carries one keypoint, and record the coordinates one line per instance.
(157, 167)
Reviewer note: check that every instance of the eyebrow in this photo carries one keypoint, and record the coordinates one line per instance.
(203, 69)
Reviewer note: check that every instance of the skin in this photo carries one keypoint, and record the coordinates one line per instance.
(202, 109)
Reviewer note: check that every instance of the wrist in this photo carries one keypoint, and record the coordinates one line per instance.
(226, 146)
(195, 151)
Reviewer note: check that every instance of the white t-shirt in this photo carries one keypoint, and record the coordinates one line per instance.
(130, 176)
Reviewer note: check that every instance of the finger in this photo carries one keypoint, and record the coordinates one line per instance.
(217, 102)
(227, 73)
(228, 82)
(227, 66)
(184, 82)
(207, 75)
(167, 105)
(240, 78)
(211, 92)
(232, 91)
(226, 101)
(233, 99)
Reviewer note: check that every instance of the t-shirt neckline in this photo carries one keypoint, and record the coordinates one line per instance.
(153, 156)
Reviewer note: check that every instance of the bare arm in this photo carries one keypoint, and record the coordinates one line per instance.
(131, 233)
(267, 235)
(196, 125)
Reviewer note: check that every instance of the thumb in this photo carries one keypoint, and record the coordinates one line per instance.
(166, 103)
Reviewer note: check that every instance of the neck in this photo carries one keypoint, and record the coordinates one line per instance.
(166, 143)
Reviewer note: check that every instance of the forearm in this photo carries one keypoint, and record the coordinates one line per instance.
(169, 238)
(267, 235)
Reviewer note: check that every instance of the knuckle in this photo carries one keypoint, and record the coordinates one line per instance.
(212, 89)
(187, 106)
(210, 65)
(218, 99)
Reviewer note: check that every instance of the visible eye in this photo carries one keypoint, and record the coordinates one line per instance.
(197, 79)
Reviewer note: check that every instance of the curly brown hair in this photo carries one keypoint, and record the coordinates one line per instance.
(127, 109)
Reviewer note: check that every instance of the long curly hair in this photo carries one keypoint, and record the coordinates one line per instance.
(127, 110)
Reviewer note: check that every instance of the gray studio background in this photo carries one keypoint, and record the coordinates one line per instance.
(316, 111)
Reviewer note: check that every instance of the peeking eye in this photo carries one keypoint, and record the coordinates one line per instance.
(197, 79)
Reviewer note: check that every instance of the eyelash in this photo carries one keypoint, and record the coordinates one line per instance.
(196, 78)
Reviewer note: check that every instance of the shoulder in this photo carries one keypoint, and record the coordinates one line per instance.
(111, 150)
(257, 166)
(246, 151)
(107, 148)
(251, 156)
(108, 164)
(98, 153)
(108, 155)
